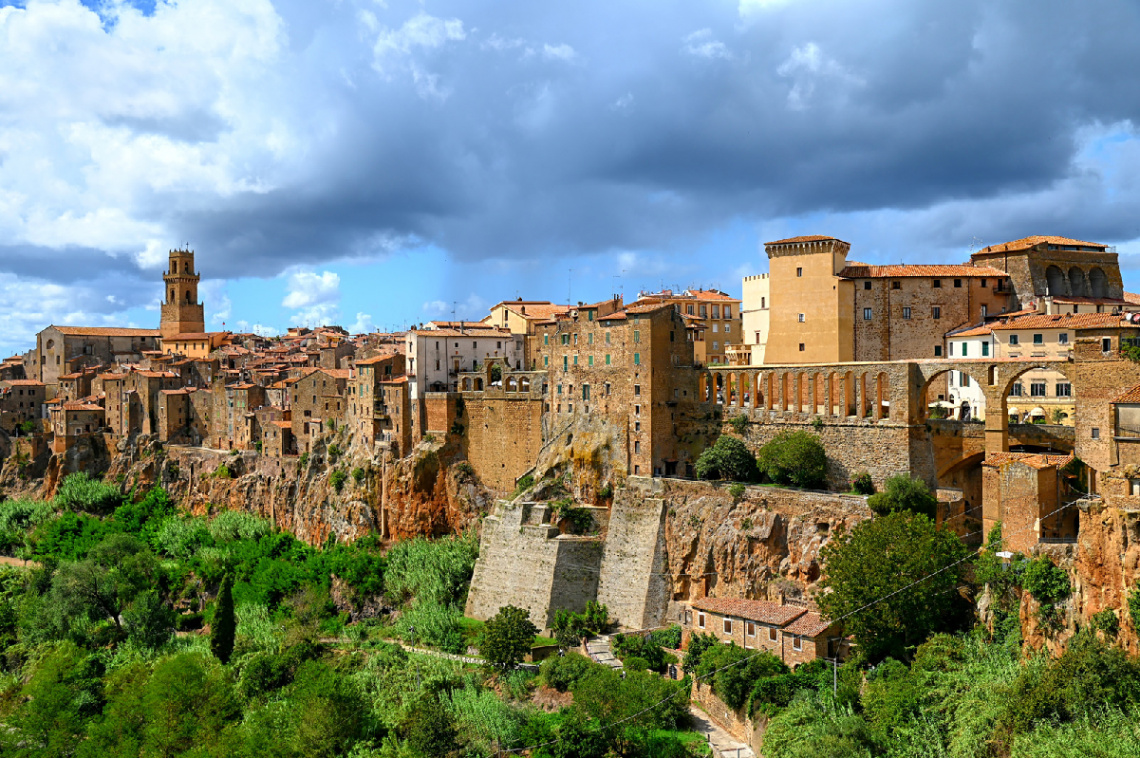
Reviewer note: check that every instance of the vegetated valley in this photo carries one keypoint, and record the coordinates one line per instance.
(130, 629)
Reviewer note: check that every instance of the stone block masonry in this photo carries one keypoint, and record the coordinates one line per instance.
(633, 585)
(525, 562)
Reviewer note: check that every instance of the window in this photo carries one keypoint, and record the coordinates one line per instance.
(763, 302)
(590, 361)
(866, 285)
(716, 327)
(965, 349)
(1095, 433)
(637, 410)
(1106, 345)
(1013, 339)
(937, 351)
(637, 335)
(982, 283)
(637, 390)
(797, 642)
(607, 358)
(985, 349)
(565, 339)
(965, 379)
(866, 314)
(590, 337)
(585, 392)
(636, 447)
(1063, 338)
(951, 349)
(607, 338)
(800, 317)
(957, 282)
(701, 620)
(750, 629)
(637, 426)
(607, 389)
(1038, 339)
(1037, 389)
(637, 359)
(906, 312)
(716, 311)
(716, 345)
(801, 347)
(575, 360)
(727, 329)
(799, 271)
(896, 285)
(985, 311)
(773, 634)
(565, 363)
(689, 310)
(545, 361)
(1016, 390)
(728, 311)
(936, 312)
(937, 284)
(1064, 389)
(728, 626)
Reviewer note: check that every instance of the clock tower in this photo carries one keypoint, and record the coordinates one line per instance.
(181, 311)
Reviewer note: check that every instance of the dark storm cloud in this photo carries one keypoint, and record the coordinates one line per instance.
(670, 118)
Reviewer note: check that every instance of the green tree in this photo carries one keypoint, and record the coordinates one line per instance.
(727, 459)
(149, 620)
(224, 625)
(901, 493)
(62, 693)
(794, 457)
(892, 582)
(507, 637)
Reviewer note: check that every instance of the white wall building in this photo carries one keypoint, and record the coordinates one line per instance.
(754, 311)
(966, 400)
(436, 355)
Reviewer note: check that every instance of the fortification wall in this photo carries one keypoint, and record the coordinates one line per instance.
(525, 562)
(633, 584)
(502, 436)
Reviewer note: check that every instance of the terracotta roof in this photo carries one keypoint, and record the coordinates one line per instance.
(283, 424)
(810, 624)
(618, 316)
(1130, 396)
(183, 391)
(863, 271)
(1132, 298)
(1087, 300)
(979, 330)
(806, 238)
(396, 380)
(79, 405)
(1026, 243)
(338, 373)
(188, 337)
(1033, 460)
(763, 611)
(1057, 321)
(106, 331)
(485, 333)
(156, 374)
(23, 383)
(711, 295)
(376, 359)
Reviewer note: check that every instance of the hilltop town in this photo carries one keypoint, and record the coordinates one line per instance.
(571, 433)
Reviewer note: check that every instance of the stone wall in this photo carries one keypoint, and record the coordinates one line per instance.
(633, 584)
(502, 434)
(525, 562)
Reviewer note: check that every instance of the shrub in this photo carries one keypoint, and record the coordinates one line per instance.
(563, 672)
(635, 663)
(863, 484)
(463, 468)
(901, 493)
(334, 452)
(794, 457)
(507, 636)
(257, 446)
(670, 637)
(1134, 607)
(79, 492)
(304, 459)
(817, 423)
(223, 472)
(338, 479)
(1049, 585)
(739, 423)
(736, 490)
(1106, 621)
(523, 484)
(729, 459)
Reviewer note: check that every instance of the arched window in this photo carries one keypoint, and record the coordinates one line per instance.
(172, 296)
(1098, 283)
(187, 296)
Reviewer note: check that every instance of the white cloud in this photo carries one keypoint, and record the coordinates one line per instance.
(623, 103)
(395, 50)
(212, 293)
(362, 325)
(436, 309)
(473, 308)
(808, 68)
(702, 44)
(562, 52)
(307, 288)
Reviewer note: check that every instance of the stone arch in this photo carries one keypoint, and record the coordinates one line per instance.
(1057, 282)
(976, 374)
(466, 384)
(478, 384)
(883, 403)
(1078, 284)
(187, 296)
(1098, 282)
(524, 384)
(1061, 367)
(511, 385)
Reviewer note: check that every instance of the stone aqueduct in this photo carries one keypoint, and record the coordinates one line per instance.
(886, 393)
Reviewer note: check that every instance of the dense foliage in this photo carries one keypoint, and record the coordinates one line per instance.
(728, 458)
(794, 457)
(507, 638)
(901, 493)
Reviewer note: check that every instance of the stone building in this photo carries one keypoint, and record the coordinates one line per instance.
(375, 407)
(754, 318)
(73, 420)
(521, 317)
(1029, 491)
(318, 404)
(632, 369)
(1056, 266)
(792, 633)
(503, 424)
(182, 314)
(65, 349)
(715, 314)
(21, 401)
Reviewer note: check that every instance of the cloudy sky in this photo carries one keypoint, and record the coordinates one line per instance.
(376, 163)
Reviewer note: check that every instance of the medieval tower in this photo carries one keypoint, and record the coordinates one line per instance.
(181, 311)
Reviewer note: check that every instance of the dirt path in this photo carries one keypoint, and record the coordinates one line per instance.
(18, 562)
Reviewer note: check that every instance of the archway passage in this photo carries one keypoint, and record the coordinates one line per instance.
(1098, 283)
(1077, 282)
(1057, 282)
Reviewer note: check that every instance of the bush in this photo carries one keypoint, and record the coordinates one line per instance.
(901, 493)
(737, 491)
(523, 484)
(338, 479)
(358, 474)
(1106, 621)
(670, 638)
(563, 672)
(863, 484)
(1049, 585)
(223, 472)
(636, 663)
(334, 452)
(739, 423)
(728, 459)
(304, 459)
(794, 457)
(1134, 607)
(507, 637)
(79, 492)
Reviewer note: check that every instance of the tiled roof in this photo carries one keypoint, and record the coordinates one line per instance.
(1027, 242)
(156, 374)
(806, 238)
(863, 271)
(1033, 460)
(106, 331)
(810, 624)
(979, 330)
(376, 359)
(1075, 300)
(396, 380)
(1057, 321)
(1130, 396)
(188, 337)
(763, 611)
(484, 333)
(711, 295)
(619, 316)
(338, 373)
(79, 405)
(1132, 298)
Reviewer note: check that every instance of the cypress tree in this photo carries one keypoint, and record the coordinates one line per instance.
(222, 631)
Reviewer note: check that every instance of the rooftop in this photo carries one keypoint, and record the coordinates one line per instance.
(105, 331)
(805, 238)
(1025, 243)
(763, 611)
(865, 271)
(1057, 321)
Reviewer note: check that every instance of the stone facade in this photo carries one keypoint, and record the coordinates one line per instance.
(503, 425)
(182, 314)
(21, 401)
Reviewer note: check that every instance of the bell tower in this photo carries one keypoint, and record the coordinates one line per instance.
(181, 311)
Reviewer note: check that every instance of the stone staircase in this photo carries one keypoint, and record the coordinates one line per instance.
(601, 651)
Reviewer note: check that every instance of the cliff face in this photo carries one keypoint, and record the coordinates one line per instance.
(762, 545)
(423, 494)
